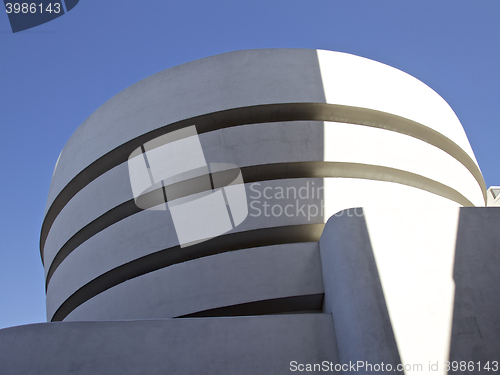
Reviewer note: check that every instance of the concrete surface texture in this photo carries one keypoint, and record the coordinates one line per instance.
(366, 238)
(252, 345)
(307, 147)
(415, 286)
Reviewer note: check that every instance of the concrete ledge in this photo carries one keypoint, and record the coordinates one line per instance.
(246, 345)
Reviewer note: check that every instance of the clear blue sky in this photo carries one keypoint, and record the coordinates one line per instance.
(54, 76)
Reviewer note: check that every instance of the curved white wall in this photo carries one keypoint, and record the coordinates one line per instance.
(356, 81)
(362, 133)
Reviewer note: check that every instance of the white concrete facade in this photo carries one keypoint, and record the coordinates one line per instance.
(288, 119)
(416, 286)
(317, 135)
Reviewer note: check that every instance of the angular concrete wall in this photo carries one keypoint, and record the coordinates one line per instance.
(353, 292)
(414, 286)
(475, 333)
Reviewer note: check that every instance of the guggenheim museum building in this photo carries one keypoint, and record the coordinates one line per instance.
(268, 212)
